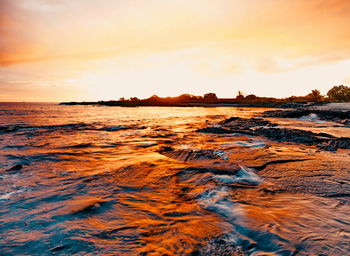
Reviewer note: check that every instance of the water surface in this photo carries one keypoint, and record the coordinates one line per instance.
(93, 183)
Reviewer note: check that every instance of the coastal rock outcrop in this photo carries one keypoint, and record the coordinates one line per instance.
(261, 127)
(293, 135)
(334, 144)
(245, 123)
(339, 116)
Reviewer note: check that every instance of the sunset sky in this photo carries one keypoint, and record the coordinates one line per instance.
(61, 50)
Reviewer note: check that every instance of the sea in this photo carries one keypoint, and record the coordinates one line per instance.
(90, 180)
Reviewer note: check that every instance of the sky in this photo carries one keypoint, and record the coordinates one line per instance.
(64, 50)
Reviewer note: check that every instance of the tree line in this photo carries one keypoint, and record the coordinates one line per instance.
(340, 93)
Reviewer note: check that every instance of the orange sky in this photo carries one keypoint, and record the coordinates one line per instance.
(57, 50)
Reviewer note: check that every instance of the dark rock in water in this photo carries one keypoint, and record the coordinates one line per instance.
(10, 128)
(345, 122)
(238, 125)
(215, 130)
(168, 141)
(342, 117)
(166, 149)
(287, 113)
(16, 167)
(237, 122)
(192, 155)
(82, 145)
(147, 145)
(155, 135)
(261, 127)
(114, 128)
(292, 135)
(333, 145)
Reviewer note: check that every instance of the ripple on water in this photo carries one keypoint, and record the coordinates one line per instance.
(92, 184)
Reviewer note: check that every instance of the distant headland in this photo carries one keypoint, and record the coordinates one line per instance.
(339, 93)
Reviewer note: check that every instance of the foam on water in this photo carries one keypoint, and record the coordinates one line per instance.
(312, 117)
(244, 176)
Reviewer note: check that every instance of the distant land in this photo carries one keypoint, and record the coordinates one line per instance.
(339, 93)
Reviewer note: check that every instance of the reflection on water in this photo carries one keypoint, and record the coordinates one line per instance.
(92, 182)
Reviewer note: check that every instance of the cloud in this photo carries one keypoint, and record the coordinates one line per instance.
(17, 33)
(41, 30)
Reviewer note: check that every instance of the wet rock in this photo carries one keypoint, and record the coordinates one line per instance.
(291, 135)
(296, 113)
(334, 144)
(280, 161)
(168, 141)
(338, 116)
(155, 135)
(261, 127)
(192, 155)
(237, 122)
(114, 128)
(16, 167)
(215, 130)
(147, 145)
(79, 146)
(9, 128)
(165, 149)
(238, 125)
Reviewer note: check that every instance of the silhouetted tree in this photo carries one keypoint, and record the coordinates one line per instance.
(339, 93)
(184, 98)
(134, 99)
(250, 97)
(314, 96)
(210, 97)
(240, 95)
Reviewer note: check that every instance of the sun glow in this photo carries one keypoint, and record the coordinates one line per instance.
(98, 51)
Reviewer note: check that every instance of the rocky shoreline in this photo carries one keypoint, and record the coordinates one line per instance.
(338, 116)
(293, 160)
(261, 127)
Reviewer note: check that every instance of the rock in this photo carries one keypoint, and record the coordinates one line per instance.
(215, 130)
(16, 167)
(114, 128)
(165, 149)
(10, 128)
(193, 155)
(292, 135)
(296, 113)
(338, 116)
(237, 122)
(334, 144)
(261, 127)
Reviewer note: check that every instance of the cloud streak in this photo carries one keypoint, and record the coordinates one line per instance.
(41, 30)
(206, 40)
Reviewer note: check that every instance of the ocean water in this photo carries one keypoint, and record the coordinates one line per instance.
(92, 182)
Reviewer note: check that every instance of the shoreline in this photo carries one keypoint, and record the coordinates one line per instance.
(329, 106)
(293, 160)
